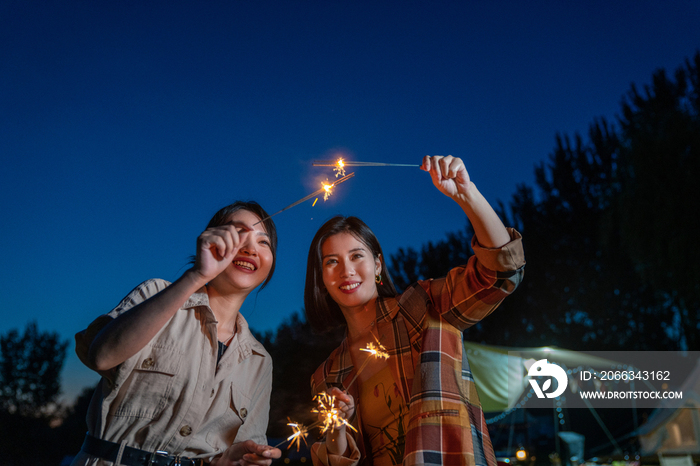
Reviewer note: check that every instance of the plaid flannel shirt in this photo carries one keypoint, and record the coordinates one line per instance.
(422, 332)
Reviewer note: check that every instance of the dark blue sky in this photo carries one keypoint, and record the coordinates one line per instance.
(125, 125)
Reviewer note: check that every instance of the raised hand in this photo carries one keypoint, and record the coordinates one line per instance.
(448, 173)
(216, 248)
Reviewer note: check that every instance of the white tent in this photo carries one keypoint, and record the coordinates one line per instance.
(501, 373)
(674, 427)
(502, 378)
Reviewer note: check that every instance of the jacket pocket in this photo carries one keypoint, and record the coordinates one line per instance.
(224, 430)
(149, 387)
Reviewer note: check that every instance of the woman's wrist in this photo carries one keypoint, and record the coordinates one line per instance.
(468, 198)
(193, 279)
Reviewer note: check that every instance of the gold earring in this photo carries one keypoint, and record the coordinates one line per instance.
(378, 279)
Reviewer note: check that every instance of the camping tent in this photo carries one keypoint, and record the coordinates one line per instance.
(674, 427)
(501, 372)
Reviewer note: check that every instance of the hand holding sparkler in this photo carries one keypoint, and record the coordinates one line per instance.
(450, 176)
(335, 407)
(448, 173)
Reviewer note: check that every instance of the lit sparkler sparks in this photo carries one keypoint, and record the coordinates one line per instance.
(331, 417)
(339, 168)
(377, 351)
(299, 435)
(340, 164)
(326, 190)
(300, 432)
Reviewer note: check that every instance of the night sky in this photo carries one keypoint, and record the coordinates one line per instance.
(125, 125)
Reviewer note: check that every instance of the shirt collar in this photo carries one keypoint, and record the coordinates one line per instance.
(387, 308)
(247, 343)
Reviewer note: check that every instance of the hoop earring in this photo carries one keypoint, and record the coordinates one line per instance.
(378, 279)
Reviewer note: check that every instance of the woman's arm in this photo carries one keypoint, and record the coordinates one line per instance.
(131, 331)
(469, 293)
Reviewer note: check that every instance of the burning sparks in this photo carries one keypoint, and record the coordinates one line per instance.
(331, 417)
(325, 190)
(299, 435)
(328, 188)
(377, 351)
(339, 168)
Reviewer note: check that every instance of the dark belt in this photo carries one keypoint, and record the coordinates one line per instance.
(133, 456)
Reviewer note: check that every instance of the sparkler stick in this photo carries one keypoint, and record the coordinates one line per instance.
(330, 163)
(325, 190)
(341, 164)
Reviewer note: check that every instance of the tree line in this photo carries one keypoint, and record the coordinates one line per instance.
(610, 265)
(608, 232)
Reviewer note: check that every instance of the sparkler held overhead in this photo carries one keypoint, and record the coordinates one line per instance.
(340, 165)
(326, 190)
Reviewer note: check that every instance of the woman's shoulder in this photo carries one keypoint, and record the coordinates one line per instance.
(140, 293)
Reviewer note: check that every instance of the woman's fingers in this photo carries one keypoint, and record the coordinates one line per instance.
(226, 239)
(216, 248)
(344, 402)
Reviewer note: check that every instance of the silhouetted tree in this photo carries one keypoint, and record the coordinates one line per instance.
(659, 202)
(30, 365)
(607, 233)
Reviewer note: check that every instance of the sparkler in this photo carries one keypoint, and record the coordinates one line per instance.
(377, 351)
(329, 414)
(340, 165)
(300, 432)
(326, 190)
(331, 417)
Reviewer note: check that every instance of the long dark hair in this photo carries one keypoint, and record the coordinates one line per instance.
(221, 217)
(322, 313)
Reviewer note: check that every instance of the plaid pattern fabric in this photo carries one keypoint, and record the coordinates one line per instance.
(422, 331)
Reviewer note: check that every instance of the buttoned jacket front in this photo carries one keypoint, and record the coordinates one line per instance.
(172, 395)
(422, 332)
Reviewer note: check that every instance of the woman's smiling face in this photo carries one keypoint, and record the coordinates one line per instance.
(349, 268)
(253, 261)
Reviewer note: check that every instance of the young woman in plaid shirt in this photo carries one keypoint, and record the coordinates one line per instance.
(420, 405)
